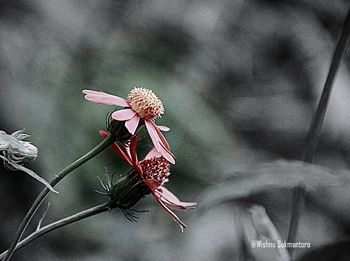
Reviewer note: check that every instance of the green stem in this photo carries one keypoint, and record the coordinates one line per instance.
(60, 223)
(315, 129)
(63, 173)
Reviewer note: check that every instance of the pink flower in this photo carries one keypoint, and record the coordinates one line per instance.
(154, 171)
(142, 105)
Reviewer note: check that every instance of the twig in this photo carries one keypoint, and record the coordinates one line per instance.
(315, 129)
(33, 209)
(60, 223)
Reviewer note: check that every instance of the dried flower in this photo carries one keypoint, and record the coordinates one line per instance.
(16, 150)
(154, 171)
(141, 106)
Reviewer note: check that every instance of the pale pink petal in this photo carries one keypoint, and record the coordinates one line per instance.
(175, 218)
(123, 115)
(153, 153)
(161, 137)
(132, 124)
(152, 131)
(153, 135)
(167, 154)
(163, 128)
(105, 98)
(172, 201)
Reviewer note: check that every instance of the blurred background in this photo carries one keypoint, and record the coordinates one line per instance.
(240, 81)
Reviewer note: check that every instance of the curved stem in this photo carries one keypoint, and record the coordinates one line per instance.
(58, 177)
(60, 223)
(315, 129)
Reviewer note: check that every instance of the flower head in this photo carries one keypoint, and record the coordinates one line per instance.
(154, 171)
(145, 103)
(15, 150)
(141, 107)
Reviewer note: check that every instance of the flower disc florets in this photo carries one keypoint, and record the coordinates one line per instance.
(145, 103)
(157, 169)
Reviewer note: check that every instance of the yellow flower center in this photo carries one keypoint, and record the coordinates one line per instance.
(145, 103)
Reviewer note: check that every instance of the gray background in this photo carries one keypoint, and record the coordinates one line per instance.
(239, 80)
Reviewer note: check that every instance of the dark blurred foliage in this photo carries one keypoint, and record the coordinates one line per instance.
(240, 81)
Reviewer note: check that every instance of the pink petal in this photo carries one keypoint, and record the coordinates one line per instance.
(153, 135)
(161, 137)
(152, 131)
(104, 98)
(115, 146)
(123, 115)
(163, 128)
(127, 149)
(133, 153)
(167, 154)
(121, 153)
(172, 201)
(152, 185)
(175, 218)
(132, 124)
(153, 153)
(103, 133)
(131, 150)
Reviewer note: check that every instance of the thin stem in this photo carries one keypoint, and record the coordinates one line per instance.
(60, 223)
(315, 129)
(63, 173)
(316, 126)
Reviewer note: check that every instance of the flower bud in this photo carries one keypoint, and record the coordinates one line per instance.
(118, 129)
(16, 149)
(22, 151)
(126, 191)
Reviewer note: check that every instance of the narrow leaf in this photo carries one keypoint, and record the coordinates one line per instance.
(43, 217)
(273, 175)
(30, 173)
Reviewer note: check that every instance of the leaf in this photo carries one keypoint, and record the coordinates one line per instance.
(273, 175)
(43, 217)
(29, 172)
